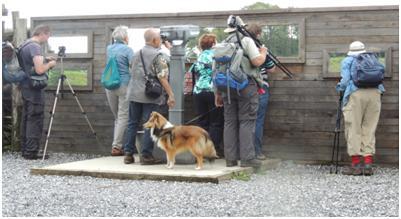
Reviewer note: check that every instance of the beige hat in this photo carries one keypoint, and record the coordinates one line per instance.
(237, 21)
(356, 48)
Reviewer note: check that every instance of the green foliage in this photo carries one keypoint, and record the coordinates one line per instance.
(193, 43)
(260, 5)
(75, 77)
(336, 59)
(282, 40)
(241, 175)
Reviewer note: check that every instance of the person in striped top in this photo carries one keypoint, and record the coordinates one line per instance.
(267, 67)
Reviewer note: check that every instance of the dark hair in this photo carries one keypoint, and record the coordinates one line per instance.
(207, 40)
(40, 29)
(254, 28)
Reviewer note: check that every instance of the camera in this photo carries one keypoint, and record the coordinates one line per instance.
(235, 21)
(179, 34)
(61, 51)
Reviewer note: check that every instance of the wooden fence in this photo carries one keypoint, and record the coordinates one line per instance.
(301, 115)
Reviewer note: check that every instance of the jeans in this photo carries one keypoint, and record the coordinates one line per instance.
(139, 112)
(260, 120)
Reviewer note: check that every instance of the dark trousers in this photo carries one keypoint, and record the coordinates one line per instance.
(31, 127)
(213, 122)
(139, 112)
(239, 123)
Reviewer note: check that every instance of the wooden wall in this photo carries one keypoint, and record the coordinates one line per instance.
(301, 115)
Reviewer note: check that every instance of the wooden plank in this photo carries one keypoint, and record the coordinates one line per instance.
(331, 25)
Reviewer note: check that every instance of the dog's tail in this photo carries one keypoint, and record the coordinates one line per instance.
(209, 151)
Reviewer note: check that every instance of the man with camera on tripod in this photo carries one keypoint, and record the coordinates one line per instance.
(33, 63)
(240, 107)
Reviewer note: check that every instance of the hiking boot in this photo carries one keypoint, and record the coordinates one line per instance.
(354, 170)
(115, 151)
(368, 170)
(231, 163)
(261, 157)
(149, 160)
(251, 163)
(128, 158)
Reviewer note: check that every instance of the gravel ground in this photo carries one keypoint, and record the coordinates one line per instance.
(290, 190)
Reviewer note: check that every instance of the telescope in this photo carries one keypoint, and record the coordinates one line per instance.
(179, 34)
(236, 22)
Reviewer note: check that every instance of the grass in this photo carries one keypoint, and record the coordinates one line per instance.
(76, 77)
(335, 63)
(241, 175)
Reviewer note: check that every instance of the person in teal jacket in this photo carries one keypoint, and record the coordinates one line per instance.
(203, 92)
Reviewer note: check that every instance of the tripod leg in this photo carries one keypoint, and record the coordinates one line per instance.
(83, 112)
(51, 118)
(333, 150)
(338, 150)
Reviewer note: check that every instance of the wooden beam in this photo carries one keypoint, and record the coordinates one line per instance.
(20, 35)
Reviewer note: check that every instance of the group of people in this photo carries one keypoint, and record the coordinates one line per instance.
(241, 130)
(233, 125)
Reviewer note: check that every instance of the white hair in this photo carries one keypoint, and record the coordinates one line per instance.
(120, 33)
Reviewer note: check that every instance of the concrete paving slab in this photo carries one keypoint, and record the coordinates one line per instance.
(113, 167)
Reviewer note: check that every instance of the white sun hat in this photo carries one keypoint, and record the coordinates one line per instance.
(356, 48)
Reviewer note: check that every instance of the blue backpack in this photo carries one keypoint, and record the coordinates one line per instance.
(111, 76)
(227, 71)
(368, 71)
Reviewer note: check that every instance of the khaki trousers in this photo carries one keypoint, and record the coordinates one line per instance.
(361, 116)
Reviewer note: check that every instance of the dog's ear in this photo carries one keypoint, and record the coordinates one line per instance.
(156, 120)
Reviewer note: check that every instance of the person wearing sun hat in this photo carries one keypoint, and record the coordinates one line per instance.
(361, 110)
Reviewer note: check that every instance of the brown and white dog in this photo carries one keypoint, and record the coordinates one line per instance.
(176, 139)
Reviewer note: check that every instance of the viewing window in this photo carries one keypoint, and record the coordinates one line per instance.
(77, 45)
(285, 40)
(332, 62)
(79, 76)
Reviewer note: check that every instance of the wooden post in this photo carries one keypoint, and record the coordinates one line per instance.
(4, 12)
(19, 36)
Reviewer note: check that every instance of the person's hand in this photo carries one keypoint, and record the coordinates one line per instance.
(171, 101)
(50, 58)
(263, 50)
(167, 44)
(52, 63)
(338, 88)
(218, 100)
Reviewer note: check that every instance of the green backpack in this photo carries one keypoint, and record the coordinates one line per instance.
(111, 76)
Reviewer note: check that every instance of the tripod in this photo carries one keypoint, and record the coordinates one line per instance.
(336, 142)
(60, 84)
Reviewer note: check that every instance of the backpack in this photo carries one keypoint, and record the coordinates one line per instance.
(111, 76)
(227, 71)
(368, 71)
(12, 69)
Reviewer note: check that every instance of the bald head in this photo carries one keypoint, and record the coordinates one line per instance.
(152, 37)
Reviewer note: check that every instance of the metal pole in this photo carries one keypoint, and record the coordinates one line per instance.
(177, 70)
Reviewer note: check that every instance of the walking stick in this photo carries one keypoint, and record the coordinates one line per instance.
(337, 131)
